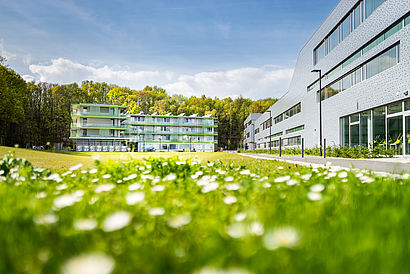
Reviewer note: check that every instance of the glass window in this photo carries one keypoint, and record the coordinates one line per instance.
(407, 132)
(319, 53)
(333, 89)
(357, 18)
(333, 39)
(388, 59)
(354, 135)
(352, 58)
(346, 26)
(334, 71)
(357, 76)
(407, 20)
(394, 108)
(379, 125)
(393, 30)
(365, 128)
(407, 105)
(84, 121)
(373, 44)
(354, 118)
(395, 133)
(104, 110)
(347, 82)
(371, 5)
(345, 131)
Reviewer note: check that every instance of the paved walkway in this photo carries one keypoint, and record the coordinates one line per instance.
(390, 165)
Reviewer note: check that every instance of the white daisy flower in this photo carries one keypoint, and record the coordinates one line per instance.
(46, 219)
(93, 171)
(236, 230)
(85, 224)
(135, 197)
(179, 220)
(135, 186)
(282, 179)
(157, 188)
(342, 174)
(95, 180)
(291, 182)
(317, 188)
(75, 167)
(156, 211)
(61, 187)
(170, 177)
(230, 200)
(66, 200)
(106, 176)
(93, 263)
(245, 172)
(266, 185)
(116, 221)
(240, 216)
(281, 237)
(256, 228)
(228, 179)
(314, 196)
(210, 187)
(103, 188)
(232, 186)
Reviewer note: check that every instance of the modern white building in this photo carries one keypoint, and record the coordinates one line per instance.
(97, 127)
(362, 50)
(250, 131)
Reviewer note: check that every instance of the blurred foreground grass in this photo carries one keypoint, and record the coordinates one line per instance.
(172, 215)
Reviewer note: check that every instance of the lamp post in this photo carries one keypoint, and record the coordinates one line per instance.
(270, 132)
(320, 107)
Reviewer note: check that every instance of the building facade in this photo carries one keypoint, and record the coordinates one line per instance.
(110, 128)
(250, 131)
(362, 50)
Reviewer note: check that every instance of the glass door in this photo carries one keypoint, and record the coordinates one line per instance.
(407, 131)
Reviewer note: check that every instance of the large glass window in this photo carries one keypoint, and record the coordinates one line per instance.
(379, 125)
(346, 26)
(357, 76)
(354, 135)
(407, 135)
(381, 63)
(333, 39)
(347, 82)
(373, 44)
(371, 5)
(319, 52)
(345, 131)
(357, 16)
(365, 119)
(352, 58)
(395, 133)
(407, 20)
(354, 118)
(333, 89)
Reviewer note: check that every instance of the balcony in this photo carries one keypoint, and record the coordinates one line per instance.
(98, 114)
(148, 121)
(171, 132)
(98, 126)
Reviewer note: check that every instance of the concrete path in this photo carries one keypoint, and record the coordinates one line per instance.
(390, 165)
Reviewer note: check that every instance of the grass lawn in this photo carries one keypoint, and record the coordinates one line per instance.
(213, 213)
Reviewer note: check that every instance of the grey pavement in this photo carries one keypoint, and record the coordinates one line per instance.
(390, 165)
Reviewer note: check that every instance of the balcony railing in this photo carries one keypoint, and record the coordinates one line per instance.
(154, 122)
(92, 125)
(99, 114)
(172, 132)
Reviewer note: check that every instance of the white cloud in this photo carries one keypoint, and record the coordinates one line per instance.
(9, 56)
(252, 82)
(249, 82)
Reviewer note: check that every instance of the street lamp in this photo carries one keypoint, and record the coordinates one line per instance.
(270, 132)
(320, 107)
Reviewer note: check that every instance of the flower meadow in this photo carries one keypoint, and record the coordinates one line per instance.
(187, 216)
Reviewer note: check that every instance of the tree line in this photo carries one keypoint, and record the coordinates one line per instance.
(39, 113)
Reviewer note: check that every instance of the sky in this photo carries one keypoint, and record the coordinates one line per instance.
(219, 48)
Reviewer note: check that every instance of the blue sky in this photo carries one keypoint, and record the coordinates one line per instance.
(219, 48)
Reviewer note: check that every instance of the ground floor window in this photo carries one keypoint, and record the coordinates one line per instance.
(388, 126)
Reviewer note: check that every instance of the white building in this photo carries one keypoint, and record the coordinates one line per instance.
(98, 127)
(363, 52)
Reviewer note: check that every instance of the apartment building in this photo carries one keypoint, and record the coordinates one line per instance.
(362, 52)
(250, 131)
(94, 128)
